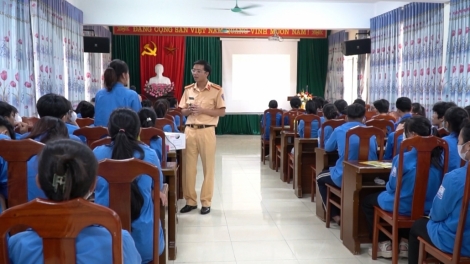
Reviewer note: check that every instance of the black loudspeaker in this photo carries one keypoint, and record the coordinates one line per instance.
(356, 47)
(96, 45)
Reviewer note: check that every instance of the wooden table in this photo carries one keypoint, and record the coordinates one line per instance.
(286, 147)
(324, 160)
(274, 138)
(358, 182)
(303, 159)
(171, 174)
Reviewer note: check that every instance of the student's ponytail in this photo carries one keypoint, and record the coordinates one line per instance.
(115, 70)
(161, 107)
(147, 117)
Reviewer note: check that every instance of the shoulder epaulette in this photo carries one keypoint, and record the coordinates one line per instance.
(189, 86)
(215, 86)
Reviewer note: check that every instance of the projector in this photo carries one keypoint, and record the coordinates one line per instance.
(275, 38)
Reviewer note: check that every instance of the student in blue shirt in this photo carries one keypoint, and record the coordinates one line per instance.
(85, 110)
(319, 102)
(124, 128)
(415, 126)
(453, 119)
(403, 105)
(438, 111)
(360, 101)
(8, 112)
(381, 107)
(66, 171)
(115, 94)
(146, 103)
(173, 105)
(147, 119)
(342, 106)
(391, 145)
(311, 109)
(441, 227)
(267, 119)
(7, 133)
(418, 109)
(337, 141)
(329, 113)
(161, 109)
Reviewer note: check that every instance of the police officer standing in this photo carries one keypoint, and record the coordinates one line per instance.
(203, 103)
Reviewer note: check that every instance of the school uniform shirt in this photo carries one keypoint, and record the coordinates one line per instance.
(177, 120)
(4, 171)
(386, 199)
(328, 132)
(390, 146)
(71, 136)
(445, 212)
(107, 102)
(337, 141)
(71, 128)
(93, 246)
(454, 158)
(267, 116)
(156, 144)
(406, 116)
(314, 126)
(142, 227)
(79, 115)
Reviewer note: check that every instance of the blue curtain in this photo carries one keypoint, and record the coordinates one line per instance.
(456, 83)
(334, 77)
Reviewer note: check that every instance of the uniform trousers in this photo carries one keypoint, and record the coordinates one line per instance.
(199, 142)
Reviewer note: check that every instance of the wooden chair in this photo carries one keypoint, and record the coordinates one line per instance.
(385, 117)
(59, 224)
(101, 142)
(17, 153)
(292, 115)
(441, 132)
(382, 219)
(160, 123)
(146, 134)
(3, 203)
(395, 140)
(308, 119)
(91, 134)
(436, 255)
(320, 113)
(177, 112)
(265, 142)
(364, 134)
(83, 122)
(120, 174)
(382, 124)
(31, 121)
(370, 114)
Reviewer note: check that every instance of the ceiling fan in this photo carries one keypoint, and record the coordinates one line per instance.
(237, 9)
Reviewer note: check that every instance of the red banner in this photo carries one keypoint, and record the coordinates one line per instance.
(168, 51)
(219, 32)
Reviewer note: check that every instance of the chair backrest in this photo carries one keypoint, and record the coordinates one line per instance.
(291, 115)
(370, 114)
(382, 124)
(100, 142)
(91, 134)
(385, 117)
(329, 123)
(424, 147)
(162, 122)
(320, 113)
(83, 122)
(462, 220)
(59, 224)
(146, 134)
(395, 141)
(177, 112)
(272, 112)
(17, 153)
(364, 134)
(31, 121)
(120, 174)
(308, 119)
(441, 132)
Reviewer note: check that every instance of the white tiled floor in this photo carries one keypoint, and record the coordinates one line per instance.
(256, 218)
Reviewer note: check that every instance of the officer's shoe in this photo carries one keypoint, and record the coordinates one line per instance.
(205, 210)
(187, 209)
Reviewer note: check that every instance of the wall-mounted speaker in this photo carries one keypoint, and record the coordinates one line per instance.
(96, 45)
(356, 47)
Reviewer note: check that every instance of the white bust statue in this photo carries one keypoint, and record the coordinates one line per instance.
(159, 78)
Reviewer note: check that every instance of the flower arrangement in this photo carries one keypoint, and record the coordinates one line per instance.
(158, 90)
(304, 97)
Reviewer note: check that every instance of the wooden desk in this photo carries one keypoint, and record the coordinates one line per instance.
(303, 159)
(358, 182)
(324, 160)
(274, 138)
(286, 147)
(171, 174)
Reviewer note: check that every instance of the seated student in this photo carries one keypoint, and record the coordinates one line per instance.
(85, 110)
(7, 133)
(360, 101)
(295, 104)
(124, 129)
(342, 106)
(146, 103)
(267, 118)
(403, 105)
(440, 228)
(337, 141)
(415, 126)
(161, 109)
(418, 109)
(311, 109)
(319, 102)
(77, 109)
(67, 171)
(147, 119)
(453, 119)
(438, 111)
(174, 105)
(8, 112)
(70, 120)
(47, 129)
(381, 107)
(329, 113)
(391, 144)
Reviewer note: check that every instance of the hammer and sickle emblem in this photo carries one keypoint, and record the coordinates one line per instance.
(149, 51)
